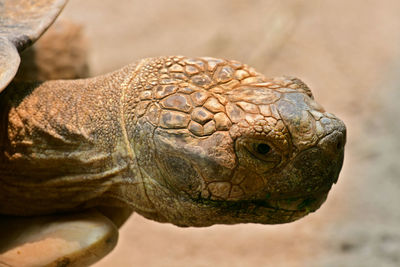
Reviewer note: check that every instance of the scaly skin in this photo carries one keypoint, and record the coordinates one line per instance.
(193, 142)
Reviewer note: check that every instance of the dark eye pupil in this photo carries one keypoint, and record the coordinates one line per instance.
(263, 148)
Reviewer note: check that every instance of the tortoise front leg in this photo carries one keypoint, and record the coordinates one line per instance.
(78, 239)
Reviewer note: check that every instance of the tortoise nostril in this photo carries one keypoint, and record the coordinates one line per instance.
(333, 143)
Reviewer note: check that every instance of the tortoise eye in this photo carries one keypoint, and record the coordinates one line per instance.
(260, 153)
(263, 148)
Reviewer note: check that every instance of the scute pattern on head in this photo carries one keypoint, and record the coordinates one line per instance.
(188, 93)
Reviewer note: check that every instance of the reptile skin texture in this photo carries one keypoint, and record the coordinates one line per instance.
(190, 141)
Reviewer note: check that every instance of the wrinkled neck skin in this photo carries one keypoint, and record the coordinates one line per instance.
(193, 142)
(63, 147)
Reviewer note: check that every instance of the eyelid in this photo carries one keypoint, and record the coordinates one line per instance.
(271, 156)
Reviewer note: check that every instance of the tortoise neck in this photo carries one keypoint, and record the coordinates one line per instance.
(60, 140)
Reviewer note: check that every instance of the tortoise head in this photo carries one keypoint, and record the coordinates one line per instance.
(260, 152)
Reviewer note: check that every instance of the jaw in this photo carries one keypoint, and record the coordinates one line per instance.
(184, 211)
(264, 211)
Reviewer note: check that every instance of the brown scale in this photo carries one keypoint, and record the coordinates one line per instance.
(191, 92)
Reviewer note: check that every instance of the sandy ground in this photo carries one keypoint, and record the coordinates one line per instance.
(347, 51)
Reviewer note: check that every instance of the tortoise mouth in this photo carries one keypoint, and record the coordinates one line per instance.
(304, 203)
(265, 211)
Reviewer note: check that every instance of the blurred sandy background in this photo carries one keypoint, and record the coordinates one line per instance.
(346, 51)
